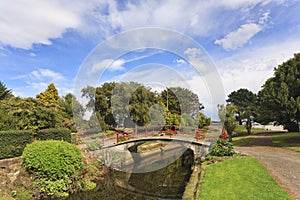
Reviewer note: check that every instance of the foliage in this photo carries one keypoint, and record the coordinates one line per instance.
(226, 115)
(202, 120)
(181, 100)
(35, 114)
(129, 103)
(49, 96)
(56, 165)
(12, 143)
(240, 178)
(71, 106)
(52, 159)
(245, 102)
(221, 148)
(279, 99)
(139, 105)
(4, 92)
(54, 134)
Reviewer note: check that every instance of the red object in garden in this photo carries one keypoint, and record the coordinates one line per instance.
(224, 134)
(197, 135)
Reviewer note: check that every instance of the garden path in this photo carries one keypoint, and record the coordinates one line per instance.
(282, 164)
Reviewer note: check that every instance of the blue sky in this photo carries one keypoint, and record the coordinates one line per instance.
(48, 41)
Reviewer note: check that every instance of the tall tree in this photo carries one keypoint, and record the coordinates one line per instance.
(139, 105)
(227, 117)
(245, 102)
(4, 92)
(49, 96)
(181, 100)
(279, 99)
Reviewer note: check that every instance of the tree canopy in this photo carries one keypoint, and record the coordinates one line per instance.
(279, 99)
(129, 103)
(4, 92)
(245, 102)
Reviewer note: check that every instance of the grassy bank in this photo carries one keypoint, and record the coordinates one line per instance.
(239, 178)
(287, 140)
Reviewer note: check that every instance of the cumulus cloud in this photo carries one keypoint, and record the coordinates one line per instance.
(251, 69)
(239, 37)
(24, 23)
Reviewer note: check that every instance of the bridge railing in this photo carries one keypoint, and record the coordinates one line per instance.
(187, 133)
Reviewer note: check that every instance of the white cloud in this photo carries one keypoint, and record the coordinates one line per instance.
(109, 64)
(197, 58)
(37, 80)
(239, 37)
(250, 69)
(41, 74)
(24, 23)
(180, 61)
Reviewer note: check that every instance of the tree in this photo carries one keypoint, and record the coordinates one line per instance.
(49, 96)
(181, 100)
(4, 92)
(28, 113)
(139, 105)
(227, 117)
(245, 102)
(279, 99)
(202, 120)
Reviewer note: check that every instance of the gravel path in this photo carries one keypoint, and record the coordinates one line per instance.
(282, 164)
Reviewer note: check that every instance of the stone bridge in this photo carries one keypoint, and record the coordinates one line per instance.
(125, 157)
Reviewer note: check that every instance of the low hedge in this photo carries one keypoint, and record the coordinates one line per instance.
(54, 134)
(12, 143)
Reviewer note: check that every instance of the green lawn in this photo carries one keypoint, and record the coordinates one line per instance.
(288, 140)
(239, 178)
(242, 141)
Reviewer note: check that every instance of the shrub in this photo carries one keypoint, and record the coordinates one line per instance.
(52, 159)
(12, 143)
(221, 148)
(54, 134)
(56, 165)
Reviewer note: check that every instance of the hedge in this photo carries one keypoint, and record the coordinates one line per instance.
(12, 143)
(54, 134)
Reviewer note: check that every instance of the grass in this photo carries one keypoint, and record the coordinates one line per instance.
(240, 130)
(242, 141)
(287, 140)
(239, 178)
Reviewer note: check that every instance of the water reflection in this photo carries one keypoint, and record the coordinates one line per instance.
(166, 183)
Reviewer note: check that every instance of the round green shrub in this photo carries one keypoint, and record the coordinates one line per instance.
(52, 159)
(222, 148)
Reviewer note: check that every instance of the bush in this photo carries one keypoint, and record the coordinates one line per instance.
(221, 148)
(54, 134)
(12, 143)
(56, 165)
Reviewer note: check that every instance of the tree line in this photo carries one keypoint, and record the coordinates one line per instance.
(124, 104)
(277, 102)
(127, 104)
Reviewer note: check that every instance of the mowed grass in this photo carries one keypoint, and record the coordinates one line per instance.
(242, 141)
(287, 140)
(240, 178)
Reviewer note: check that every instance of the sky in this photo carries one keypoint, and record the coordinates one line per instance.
(52, 41)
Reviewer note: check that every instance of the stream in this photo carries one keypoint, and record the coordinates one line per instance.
(166, 183)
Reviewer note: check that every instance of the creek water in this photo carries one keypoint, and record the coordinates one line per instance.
(166, 183)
